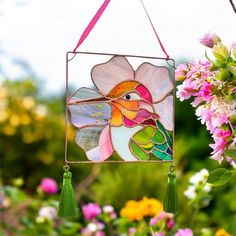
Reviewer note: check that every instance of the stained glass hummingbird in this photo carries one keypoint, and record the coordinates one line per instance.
(130, 112)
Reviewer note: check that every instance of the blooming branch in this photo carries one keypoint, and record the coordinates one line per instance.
(212, 85)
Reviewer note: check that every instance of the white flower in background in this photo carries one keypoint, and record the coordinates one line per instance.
(190, 193)
(198, 185)
(41, 110)
(207, 188)
(28, 102)
(48, 212)
(199, 177)
(92, 227)
(108, 209)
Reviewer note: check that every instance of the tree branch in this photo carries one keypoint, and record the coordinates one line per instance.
(233, 6)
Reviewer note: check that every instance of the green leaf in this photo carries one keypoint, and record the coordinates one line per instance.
(231, 153)
(219, 177)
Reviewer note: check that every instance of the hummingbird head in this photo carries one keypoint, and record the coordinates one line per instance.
(131, 104)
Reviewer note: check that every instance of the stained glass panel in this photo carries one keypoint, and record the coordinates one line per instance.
(129, 111)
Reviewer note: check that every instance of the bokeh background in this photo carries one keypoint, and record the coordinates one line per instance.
(34, 38)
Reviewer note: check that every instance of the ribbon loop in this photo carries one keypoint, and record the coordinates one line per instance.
(99, 13)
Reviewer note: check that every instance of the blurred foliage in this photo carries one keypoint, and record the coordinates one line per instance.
(32, 130)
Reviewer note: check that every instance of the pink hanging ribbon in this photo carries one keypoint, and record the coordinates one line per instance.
(91, 24)
(96, 17)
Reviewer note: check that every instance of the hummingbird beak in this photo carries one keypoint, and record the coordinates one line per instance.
(92, 100)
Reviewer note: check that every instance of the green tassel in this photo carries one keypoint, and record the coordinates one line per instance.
(68, 206)
(171, 204)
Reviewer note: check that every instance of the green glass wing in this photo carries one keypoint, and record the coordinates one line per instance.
(152, 143)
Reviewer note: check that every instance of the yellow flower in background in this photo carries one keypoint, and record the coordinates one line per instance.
(71, 133)
(136, 210)
(28, 102)
(3, 92)
(9, 130)
(132, 211)
(14, 120)
(150, 206)
(3, 115)
(222, 232)
(25, 119)
(41, 111)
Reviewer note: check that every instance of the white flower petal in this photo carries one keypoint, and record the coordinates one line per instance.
(106, 76)
(156, 79)
(165, 111)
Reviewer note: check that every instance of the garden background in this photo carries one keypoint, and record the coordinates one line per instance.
(34, 37)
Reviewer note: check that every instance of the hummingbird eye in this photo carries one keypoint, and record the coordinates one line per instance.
(132, 96)
(128, 96)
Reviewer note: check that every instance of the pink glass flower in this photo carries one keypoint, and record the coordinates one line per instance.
(91, 211)
(209, 40)
(184, 232)
(48, 186)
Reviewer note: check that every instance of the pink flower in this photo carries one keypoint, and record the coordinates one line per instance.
(159, 234)
(199, 70)
(48, 186)
(184, 232)
(99, 233)
(180, 72)
(205, 115)
(220, 137)
(91, 211)
(209, 40)
(186, 89)
(204, 94)
(163, 215)
(171, 224)
(153, 221)
(131, 231)
(219, 133)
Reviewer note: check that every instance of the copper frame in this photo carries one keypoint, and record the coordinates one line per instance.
(171, 64)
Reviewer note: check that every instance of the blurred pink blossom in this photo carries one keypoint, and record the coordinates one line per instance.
(153, 221)
(91, 211)
(93, 229)
(48, 186)
(131, 231)
(171, 224)
(209, 40)
(159, 234)
(184, 232)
